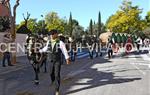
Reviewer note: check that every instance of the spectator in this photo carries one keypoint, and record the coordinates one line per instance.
(6, 49)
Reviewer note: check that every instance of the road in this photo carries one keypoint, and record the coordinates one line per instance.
(121, 75)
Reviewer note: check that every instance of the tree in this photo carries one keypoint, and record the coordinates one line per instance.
(31, 26)
(95, 29)
(53, 21)
(12, 23)
(70, 24)
(127, 19)
(99, 23)
(147, 32)
(91, 27)
(41, 27)
(103, 28)
(77, 32)
(65, 25)
(23, 26)
(147, 18)
(13, 19)
(4, 23)
(26, 19)
(8, 21)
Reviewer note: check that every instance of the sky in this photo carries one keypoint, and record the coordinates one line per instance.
(82, 10)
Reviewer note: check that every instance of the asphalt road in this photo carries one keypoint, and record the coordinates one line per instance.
(121, 75)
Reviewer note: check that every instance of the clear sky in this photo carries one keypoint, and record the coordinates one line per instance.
(82, 10)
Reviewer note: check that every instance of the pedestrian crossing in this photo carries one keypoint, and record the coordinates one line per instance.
(143, 55)
(142, 59)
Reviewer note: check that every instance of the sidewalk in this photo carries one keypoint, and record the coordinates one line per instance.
(21, 63)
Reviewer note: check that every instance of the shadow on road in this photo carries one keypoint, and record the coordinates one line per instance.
(136, 53)
(94, 78)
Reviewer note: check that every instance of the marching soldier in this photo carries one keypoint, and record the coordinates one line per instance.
(56, 47)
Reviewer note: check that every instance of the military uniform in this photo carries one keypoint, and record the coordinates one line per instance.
(55, 50)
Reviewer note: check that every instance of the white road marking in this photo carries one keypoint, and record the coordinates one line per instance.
(145, 57)
(141, 63)
(133, 57)
(138, 69)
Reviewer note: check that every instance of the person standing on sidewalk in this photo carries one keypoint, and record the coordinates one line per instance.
(6, 49)
(56, 47)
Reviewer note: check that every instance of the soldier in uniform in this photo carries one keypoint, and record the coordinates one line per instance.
(56, 47)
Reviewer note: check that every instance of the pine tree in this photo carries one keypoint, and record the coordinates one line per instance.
(99, 23)
(91, 27)
(70, 24)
